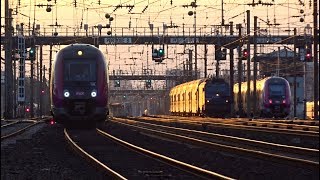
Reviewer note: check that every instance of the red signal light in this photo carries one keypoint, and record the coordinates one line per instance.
(245, 53)
(308, 55)
(27, 110)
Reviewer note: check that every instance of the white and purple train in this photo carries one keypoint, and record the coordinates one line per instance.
(79, 85)
(273, 97)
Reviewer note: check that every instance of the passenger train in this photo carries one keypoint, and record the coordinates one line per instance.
(202, 97)
(79, 85)
(273, 97)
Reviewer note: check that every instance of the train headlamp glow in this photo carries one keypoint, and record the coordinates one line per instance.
(94, 93)
(66, 93)
(227, 100)
(217, 94)
(80, 53)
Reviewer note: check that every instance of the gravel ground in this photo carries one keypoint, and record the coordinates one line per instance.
(128, 163)
(42, 153)
(235, 166)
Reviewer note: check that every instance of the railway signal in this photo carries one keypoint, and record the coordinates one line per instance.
(308, 55)
(157, 55)
(32, 53)
(116, 83)
(148, 83)
(161, 53)
(244, 54)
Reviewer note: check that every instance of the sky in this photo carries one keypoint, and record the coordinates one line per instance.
(157, 12)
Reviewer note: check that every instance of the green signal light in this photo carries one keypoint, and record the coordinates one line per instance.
(32, 53)
(161, 52)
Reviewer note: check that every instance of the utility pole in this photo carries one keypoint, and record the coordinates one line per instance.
(255, 66)
(315, 60)
(32, 82)
(43, 91)
(217, 68)
(222, 18)
(205, 60)
(195, 43)
(50, 62)
(8, 62)
(14, 82)
(248, 65)
(190, 13)
(231, 73)
(40, 83)
(240, 107)
(37, 82)
(295, 75)
(190, 77)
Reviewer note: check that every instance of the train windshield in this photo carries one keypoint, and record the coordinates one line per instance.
(277, 90)
(218, 88)
(79, 71)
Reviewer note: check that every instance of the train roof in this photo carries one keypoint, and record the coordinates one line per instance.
(79, 46)
(87, 51)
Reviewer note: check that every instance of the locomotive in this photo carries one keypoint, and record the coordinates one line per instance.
(79, 86)
(202, 97)
(273, 97)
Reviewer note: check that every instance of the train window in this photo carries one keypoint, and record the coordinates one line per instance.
(79, 71)
(277, 89)
(220, 88)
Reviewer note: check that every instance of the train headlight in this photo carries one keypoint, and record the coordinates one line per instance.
(217, 94)
(94, 93)
(66, 93)
(208, 101)
(227, 100)
(80, 53)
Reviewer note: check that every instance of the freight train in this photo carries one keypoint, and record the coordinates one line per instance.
(273, 97)
(310, 109)
(79, 86)
(202, 97)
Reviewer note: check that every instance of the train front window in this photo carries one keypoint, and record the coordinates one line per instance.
(277, 90)
(221, 89)
(79, 71)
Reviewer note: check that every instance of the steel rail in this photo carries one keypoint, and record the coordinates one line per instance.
(90, 158)
(298, 124)
(17, 121)
(247, 152)
(226, 138)
(19, 131)
(181, 165)
(251, 128)
(9, 124)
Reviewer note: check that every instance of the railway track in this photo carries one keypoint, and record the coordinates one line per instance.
(17, 127)
(265, 126)
(289, 155)
(244, 120)
(95, 153)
